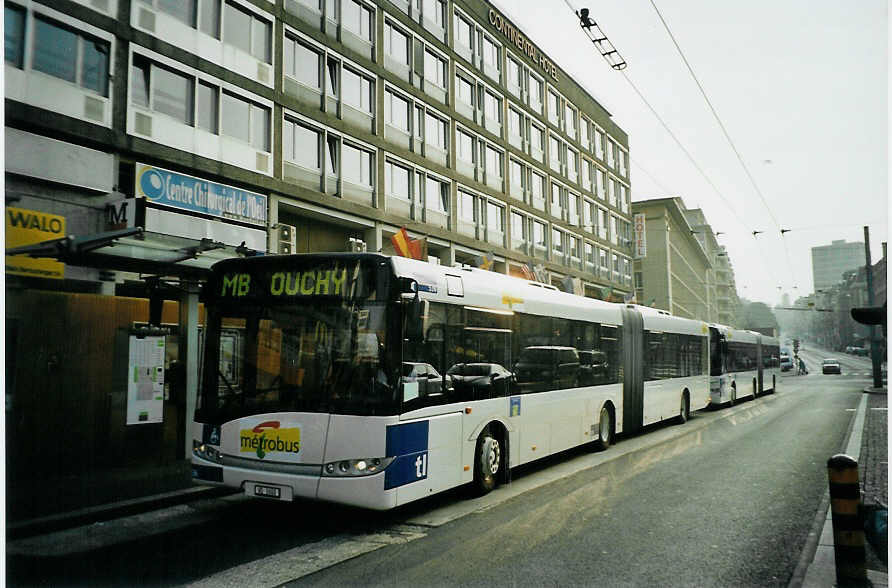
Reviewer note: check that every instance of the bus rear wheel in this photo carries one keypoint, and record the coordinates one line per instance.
(487, 461)
(605, 429)
(684, 411)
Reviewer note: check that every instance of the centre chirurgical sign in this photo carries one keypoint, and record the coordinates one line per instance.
(172, 189)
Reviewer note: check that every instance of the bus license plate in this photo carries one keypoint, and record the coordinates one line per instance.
(267, 491)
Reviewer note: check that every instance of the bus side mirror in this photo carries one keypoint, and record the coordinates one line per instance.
(415, 314)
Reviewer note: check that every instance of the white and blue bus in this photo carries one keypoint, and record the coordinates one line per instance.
(374, 381)
(742, 364)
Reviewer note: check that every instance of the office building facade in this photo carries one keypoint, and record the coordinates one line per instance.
(147, 139)
(830, 262)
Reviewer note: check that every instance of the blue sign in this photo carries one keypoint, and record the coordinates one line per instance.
(515, 406)
(196, 195)
(409, 444)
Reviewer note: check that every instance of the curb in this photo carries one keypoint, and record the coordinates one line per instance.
(113, 510)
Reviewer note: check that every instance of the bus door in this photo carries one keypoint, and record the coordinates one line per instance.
(633, 380)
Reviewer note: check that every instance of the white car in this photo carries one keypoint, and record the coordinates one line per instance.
(830, 366)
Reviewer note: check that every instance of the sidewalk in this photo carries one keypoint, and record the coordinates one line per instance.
(42, 505)
(868, 444)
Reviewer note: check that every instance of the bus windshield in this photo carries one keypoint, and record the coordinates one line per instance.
(268, 351)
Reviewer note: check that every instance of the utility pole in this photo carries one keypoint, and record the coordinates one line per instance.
(874, 346)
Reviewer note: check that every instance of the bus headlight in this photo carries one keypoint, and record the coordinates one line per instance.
(356, 467)
(205, 451)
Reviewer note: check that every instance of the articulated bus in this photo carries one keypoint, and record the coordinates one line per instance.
(742, 363)
(374, 381)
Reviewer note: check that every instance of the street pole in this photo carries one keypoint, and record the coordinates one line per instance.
(874, 345)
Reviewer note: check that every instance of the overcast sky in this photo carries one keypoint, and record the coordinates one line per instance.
(801, 87)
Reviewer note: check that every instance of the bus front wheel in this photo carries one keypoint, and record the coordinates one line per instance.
(487, 461)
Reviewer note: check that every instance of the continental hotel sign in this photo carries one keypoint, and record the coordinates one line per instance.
(519, 39)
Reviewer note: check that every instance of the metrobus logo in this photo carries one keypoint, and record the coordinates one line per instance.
(269, 437)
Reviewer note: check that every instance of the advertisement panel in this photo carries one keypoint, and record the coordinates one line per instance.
(27, 227)
(168, 188)
(640, 237)
(145, 380)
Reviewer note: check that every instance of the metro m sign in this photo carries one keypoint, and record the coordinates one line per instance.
(640, 237)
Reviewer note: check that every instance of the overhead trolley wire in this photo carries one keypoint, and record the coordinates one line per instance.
(688, 154)
(727, 136)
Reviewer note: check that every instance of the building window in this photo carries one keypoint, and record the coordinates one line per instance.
(397, 109)
(435, 12)
(570, 119)
(246, 121)
(300, 144)
(435, 131)
(464, 32)
(396, 44)
(572, 245)
(63, 53)
(584, 133)
(536, 93)
(465, 147)
(465, 90)
(557, 242)
(515, 77)
(554, 152)
(303, 63)
(357, 90)
(599, 144)
(495, 216)
(492, 107)
(572, 165)
(208, 107)
(436, 195)
(554, 108)
(537, 138)
(573, 208)
(357, 166)
(491, 53)
(493, 162)
(246, 31)
(588, 215)
(14, 35)
(162, 90)
(357, 18)
(466, 206)
(539, 234)
(397, 180)
(537, 190)
(434, 69)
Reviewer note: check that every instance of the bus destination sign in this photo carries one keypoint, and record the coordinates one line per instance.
(332, 279)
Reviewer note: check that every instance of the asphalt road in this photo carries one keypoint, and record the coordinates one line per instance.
(729, 505)
(726, 499)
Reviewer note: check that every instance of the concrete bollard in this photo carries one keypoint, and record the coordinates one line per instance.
(848, 528)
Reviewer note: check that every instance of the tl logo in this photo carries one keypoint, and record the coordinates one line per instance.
(421, 466)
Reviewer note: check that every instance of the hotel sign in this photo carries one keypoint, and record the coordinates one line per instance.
(521, 42)
(196, 195)
(640, 236)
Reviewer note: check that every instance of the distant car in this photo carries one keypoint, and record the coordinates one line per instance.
(861, 351)
(830, 366)
(478, 381)
(786, 363)
(850, 349)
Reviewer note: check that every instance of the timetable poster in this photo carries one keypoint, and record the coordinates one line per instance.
(145, 380)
